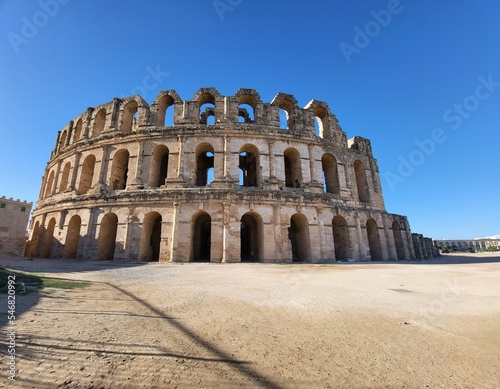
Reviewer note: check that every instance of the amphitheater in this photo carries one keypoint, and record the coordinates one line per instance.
(214, 179)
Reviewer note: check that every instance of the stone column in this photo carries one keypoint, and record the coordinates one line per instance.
(359, 250)
(137, 182)
(391, 244)
(72, 184)
(273, 181)
(174, 236)
(56, 178)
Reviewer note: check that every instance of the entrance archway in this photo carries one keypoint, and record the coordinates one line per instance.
(151, 237)
(250, 238)
(107, 237)
(72, 237)
(298, 233)
(341, 238)
(202, 238)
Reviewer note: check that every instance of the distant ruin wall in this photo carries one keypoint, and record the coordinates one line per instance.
(14, 216)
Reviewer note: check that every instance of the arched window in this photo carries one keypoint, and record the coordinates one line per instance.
(87, 174)
(159, 166)
(287, 115)
(249, 166)
(374, 240)
(165, 113)
(107, 237)
(322, 122)
(129, 116)
(99, 122)
(202, 238)
(361, 183)
(65, 177)
(151, 237)
(62, 140)
(298, 234)
(398, 240)
(330, 173)
(251, 237)
(78, 131)
(341, 238)
(246, 108)
(206, 106)
(293, 169)
(49, 185)
(204, 164)
(72, 237)
(119, 170)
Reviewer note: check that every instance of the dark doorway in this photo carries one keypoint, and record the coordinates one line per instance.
(202, 238)
(249, 236)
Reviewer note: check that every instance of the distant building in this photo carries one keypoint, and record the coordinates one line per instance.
(14, 216)
(468, 244)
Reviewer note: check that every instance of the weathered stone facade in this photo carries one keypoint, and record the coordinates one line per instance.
(225, 181)
(14, 216)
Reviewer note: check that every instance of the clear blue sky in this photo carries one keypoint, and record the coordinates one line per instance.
(391, 71)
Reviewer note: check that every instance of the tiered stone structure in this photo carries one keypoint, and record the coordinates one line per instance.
(14, 216)
(225, 181)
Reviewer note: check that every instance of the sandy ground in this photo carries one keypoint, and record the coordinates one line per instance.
(430, 324)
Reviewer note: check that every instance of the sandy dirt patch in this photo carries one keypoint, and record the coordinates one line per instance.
(432, 324)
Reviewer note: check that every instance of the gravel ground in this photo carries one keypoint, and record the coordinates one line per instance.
(403, 324)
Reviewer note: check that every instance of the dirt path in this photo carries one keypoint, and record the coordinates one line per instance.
(388, 325)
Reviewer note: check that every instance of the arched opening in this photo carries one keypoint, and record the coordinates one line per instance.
(151, 237)
(202, 238)
(398, 240)
(78, 131)
(374, 240)
(107, 237)
(49, 239)
(165, 113)
(119, 170)
(206, 105)
(159, 167)
(129, 116)
(293, 169)
(249, 166)
(298, 234)
(330, 173)
(99, 122)
(204, 164)
(62, 140)
(245, 113)
(250, 238)
(246, 108)
(50, 184)
(65, 177)
(287, 118)
(72, 237)
(322, 122)
(87, 174)
(361, 183)
(341, 238)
